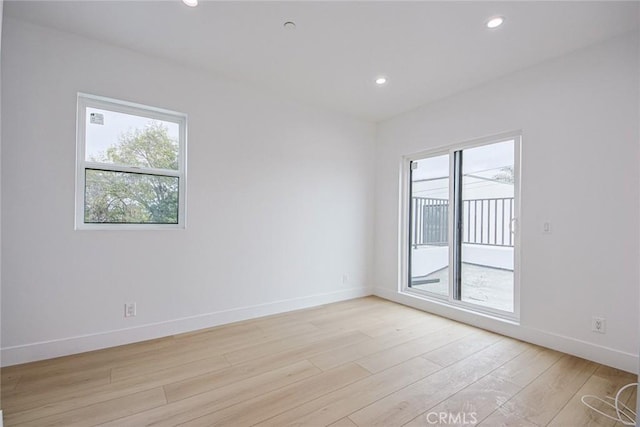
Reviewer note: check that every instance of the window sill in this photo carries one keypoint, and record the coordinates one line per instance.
(129, 227)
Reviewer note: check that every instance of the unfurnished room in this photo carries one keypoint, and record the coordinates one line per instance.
(319, 213)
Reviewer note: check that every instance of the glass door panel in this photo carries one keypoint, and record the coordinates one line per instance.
(429, 225)
(487, 218)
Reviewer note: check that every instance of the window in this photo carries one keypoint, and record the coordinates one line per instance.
(460, 226)
(130, 165)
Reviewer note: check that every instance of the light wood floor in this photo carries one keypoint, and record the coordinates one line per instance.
(364, 362)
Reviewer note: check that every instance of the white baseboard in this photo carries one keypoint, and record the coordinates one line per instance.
(80, 344)
(586, 350)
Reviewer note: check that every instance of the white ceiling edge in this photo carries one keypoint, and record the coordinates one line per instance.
(332, 58)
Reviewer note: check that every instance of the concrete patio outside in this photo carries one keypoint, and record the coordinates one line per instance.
(481, 285)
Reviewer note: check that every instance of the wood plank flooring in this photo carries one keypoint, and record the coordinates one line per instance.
(364, 362)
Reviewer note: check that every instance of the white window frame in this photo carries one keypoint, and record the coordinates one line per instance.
(92, 101)
(403, 270)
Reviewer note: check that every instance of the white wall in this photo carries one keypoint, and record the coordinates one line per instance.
(491, 256)
(257, 241)
(427, 259)
(579, 118)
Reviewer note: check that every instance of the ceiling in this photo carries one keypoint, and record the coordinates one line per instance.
(428, 50)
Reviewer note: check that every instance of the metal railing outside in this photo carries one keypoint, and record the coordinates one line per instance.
(484, 221)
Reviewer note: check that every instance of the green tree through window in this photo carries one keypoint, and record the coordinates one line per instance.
(138, 198)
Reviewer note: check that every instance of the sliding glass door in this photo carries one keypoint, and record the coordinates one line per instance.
(462, 216)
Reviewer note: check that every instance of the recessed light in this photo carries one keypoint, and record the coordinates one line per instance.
(289, 25)
(381, 80)
(190, 3)
(495, 22)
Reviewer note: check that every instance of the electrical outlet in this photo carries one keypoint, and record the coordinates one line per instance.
(130, 309)
(546, 227)
(598, 324)
(345, 279)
